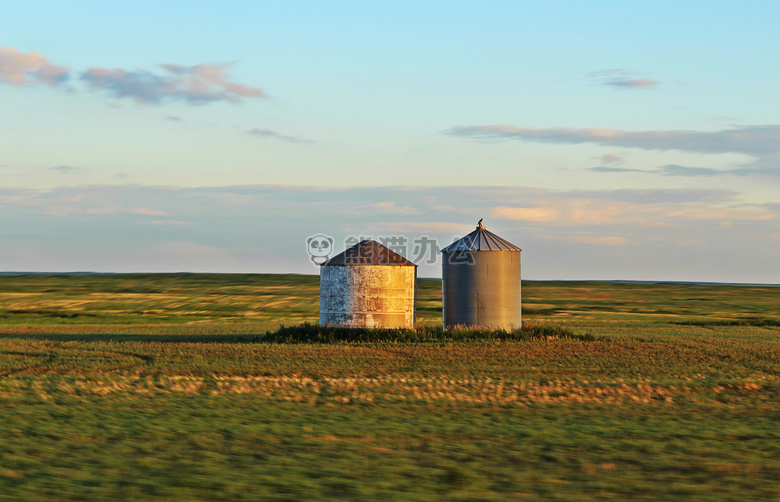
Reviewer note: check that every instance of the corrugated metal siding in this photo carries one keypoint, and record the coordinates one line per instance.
(481, 282)
(368, 296)
(484, 291)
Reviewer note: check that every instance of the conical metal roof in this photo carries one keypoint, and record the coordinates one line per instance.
(368, 253)
(480, 240)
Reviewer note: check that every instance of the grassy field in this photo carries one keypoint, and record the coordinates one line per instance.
(161, 387)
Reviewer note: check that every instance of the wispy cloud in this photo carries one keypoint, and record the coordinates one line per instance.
(29, 68)
(676, 170)
(609, 169)
(194, 85)
(267, 133)
(177, 223)
(667, 170)
(755, 140)
(83, 200)
(622, 78)
(770, 168)
(65, 169)
(761, 142)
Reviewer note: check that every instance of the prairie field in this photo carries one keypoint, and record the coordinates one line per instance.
(165, 387)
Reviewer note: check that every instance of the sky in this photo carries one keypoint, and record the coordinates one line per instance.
(610, 140)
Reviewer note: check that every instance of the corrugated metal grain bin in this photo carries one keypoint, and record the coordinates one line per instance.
(368, 285)
(481, 282)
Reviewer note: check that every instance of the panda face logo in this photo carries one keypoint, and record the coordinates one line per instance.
(319, 247)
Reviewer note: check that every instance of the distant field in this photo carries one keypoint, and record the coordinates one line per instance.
(159, 387)
(253, 303)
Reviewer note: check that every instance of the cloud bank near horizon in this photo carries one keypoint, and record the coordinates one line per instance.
(682, 234)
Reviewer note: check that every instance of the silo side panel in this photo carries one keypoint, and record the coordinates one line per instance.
(484, 293)
(368, 296)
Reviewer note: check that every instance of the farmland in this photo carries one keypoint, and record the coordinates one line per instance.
(161, 387)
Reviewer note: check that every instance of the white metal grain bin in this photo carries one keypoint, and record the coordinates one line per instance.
(481, 282)
(368, 285)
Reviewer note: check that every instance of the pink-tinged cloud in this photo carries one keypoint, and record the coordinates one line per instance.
(721, 213)
(756, 140)
(622, 78)
(203, 78)
(611, 158)
(530, 214)
(606, 240)
(596, 240)
(29, 68)
(629, 83)
(576, 212)
(195, 85)
(573, 212)
(391, 207)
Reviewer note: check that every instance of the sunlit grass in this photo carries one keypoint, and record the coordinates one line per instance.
(184, 387)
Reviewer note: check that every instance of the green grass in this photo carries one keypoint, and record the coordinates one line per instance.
(167, 387)
(315, 333)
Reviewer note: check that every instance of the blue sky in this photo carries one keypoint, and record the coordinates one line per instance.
(609, 140)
